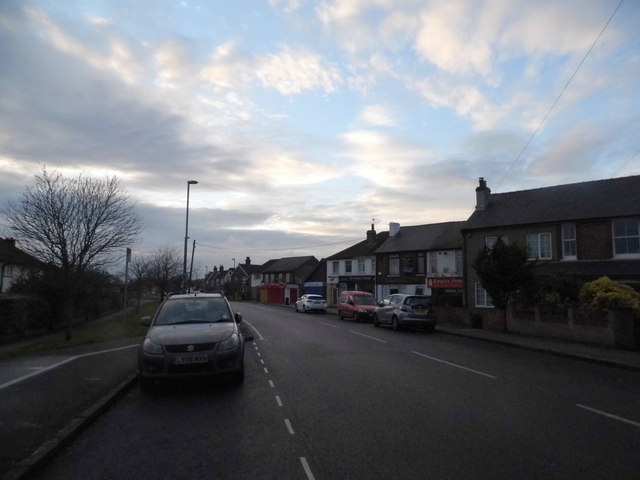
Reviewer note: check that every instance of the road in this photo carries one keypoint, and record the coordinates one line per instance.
(331, 399)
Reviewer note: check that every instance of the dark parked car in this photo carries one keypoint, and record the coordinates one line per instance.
(402, 310)
(194, 335)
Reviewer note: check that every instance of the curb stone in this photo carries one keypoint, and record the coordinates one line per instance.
(53, 446)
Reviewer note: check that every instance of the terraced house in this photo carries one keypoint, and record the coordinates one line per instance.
(586, 230)
(422, 260)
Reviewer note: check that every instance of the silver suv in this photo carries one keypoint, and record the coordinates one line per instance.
(402, 310)
(195, 335)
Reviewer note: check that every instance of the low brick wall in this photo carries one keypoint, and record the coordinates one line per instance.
(571, 326)
(619, 329)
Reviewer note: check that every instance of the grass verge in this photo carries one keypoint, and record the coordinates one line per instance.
(116, 327)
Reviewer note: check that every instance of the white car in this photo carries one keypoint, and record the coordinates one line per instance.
(309, 302)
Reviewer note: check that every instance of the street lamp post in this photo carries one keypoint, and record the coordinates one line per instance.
(186, 234)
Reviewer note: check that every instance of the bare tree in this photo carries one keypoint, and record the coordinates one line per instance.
(164, 270)
(140, 276)
(75, 224)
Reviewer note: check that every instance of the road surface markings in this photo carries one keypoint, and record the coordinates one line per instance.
(255, 330)
(367, 336)
(271, 384)
(609, 415)
(262, 361)
(289, 427)
(265, 370)
(278, 400)
(330, 325)
(454, 365)
(307, 469)
(59, 364)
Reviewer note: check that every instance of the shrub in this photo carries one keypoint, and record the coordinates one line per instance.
(23, 315)
(605, 293)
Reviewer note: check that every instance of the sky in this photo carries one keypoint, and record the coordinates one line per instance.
(304, 122)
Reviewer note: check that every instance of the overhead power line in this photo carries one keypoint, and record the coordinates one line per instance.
(625, 163)
(526, 145)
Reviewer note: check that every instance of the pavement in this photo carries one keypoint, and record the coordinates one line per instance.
(48, 399)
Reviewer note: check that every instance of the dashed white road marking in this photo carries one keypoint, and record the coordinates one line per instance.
(278, 400)
(368, 336)
(289, 427)
(330, 325)
(307, 469)
(454, 365)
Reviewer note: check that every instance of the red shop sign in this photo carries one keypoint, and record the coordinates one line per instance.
(445, 282)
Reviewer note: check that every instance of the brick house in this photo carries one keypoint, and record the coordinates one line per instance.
(354, 268)
(250, 275)
(284, 278)
(586, 230)
(422, 259)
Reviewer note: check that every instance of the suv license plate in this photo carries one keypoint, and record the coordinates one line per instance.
(184, 360)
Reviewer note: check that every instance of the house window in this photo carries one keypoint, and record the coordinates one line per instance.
(421, 264)
(569, 250)
(347, 266)
(539, 246)
(394, 265)
(361, 266)
(491, 240)
(335, 267)
(626, 237)
(459, 261)
(433, 262)
(408, 264)
(482, 297)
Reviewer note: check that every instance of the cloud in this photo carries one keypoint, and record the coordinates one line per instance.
(571, 154)
(380, 158)
(454, 38)
(377, 116)
(120, 59)
(227, 68)
(94, 20)
(295, 70)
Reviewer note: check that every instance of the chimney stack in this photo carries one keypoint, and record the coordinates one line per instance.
(394, 228)
(483, 195)
(371, 235)
(247, 261)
